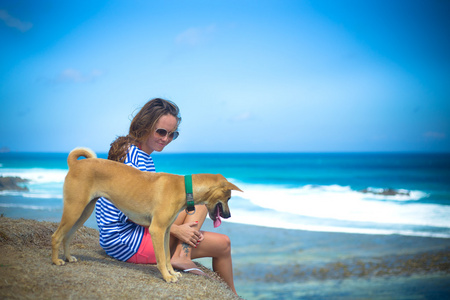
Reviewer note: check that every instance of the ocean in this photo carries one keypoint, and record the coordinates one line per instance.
(308, 225)
(366, 193)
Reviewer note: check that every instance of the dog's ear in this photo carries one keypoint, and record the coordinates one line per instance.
(230, 186)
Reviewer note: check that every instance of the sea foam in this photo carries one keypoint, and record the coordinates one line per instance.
(341, 203)
(36, 175)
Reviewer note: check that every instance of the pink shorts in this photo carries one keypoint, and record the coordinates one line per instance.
(146, 253)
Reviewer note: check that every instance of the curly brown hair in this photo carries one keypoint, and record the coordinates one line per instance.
(142, 125)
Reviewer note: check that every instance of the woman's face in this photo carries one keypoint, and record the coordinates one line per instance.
(154, 141)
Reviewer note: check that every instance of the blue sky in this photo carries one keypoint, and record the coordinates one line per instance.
(248, 76)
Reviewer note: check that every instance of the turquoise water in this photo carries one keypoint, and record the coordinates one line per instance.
(338, 192)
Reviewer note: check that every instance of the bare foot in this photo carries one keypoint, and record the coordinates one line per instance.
(181, 260)
(186, 265)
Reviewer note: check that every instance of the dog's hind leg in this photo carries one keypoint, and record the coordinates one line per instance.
(71, 214)
(69, 236)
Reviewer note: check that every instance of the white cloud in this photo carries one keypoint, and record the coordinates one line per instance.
(242, 117)
(194, 35)
(12, 22)
(72, 75)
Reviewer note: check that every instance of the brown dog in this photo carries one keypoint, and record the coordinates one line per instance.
(149, 199)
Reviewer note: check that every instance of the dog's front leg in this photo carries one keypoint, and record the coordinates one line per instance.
(167, 248)
(158, 234)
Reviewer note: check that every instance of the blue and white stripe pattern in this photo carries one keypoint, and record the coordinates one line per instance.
(120, 237)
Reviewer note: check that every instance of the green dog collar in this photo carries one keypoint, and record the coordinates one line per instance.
(190, 209)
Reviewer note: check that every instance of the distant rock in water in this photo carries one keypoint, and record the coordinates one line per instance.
(385, 192)
(12, 184)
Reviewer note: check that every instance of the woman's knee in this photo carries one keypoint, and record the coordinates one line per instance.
(214, 245)
(226, 243)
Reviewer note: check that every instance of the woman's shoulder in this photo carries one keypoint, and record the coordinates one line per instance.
(132, 153)
(139, 159)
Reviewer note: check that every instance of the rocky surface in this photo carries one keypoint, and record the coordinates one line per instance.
(26, 270)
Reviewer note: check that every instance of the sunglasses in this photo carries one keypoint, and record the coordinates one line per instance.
(163, 133)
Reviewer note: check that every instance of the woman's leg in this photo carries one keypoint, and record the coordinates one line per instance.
(217, 246)
(181, 252)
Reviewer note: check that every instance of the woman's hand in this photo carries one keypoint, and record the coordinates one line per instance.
(187, 233)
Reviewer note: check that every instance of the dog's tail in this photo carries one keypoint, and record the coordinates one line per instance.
(77, 152)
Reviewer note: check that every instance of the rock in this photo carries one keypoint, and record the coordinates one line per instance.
(12, 184)
(385, 192)
(27, 272)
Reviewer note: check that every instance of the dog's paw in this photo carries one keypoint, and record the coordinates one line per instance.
(171, 278)
(71, 259)
(178, 274)
(174, 273)
(59, 262)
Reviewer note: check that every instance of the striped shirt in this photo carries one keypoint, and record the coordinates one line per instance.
(120, 237)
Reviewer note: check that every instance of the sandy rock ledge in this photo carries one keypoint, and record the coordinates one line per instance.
(26, 271)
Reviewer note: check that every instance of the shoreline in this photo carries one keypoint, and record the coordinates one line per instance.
(272, 263)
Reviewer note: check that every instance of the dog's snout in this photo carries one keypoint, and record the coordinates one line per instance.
(224, 213)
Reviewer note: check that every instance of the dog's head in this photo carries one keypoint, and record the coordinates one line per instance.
(217, 200)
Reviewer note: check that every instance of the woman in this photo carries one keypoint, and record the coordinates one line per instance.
(153, 128)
